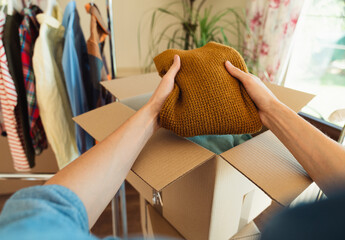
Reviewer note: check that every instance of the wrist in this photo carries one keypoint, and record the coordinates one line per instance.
(272, 114)
(152, 113)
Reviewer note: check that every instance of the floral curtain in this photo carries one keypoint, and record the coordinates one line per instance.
(271, 24)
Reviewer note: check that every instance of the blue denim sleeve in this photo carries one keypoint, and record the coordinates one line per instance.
(44, 212)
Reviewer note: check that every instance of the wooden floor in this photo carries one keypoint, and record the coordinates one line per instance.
(103, 226)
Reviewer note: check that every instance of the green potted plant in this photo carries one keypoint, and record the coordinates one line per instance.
(191, 25)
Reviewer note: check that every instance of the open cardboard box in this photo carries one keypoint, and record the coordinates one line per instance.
(201, 194)
(154, 226)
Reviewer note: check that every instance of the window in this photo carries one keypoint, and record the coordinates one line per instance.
(317, 62)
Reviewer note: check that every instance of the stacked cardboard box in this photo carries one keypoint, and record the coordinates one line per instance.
(201, 194)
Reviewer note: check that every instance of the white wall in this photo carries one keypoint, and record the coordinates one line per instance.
(127, 16)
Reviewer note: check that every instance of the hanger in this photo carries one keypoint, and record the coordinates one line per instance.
(92, 3)
(27, 4)
(3, 8)
(51, 4)
(4, 3)
(9, 7)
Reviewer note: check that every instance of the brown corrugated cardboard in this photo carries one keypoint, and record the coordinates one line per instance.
(187, 203)
(199, 183)
(254, 157)
(143, 217)
(141, 186)
(133, 91)
(156, 155)
(295, 99)
(249, 232)
(214, 201)
(136, 90)
(158, 227)
(104, 120)
(125, 88)
(154, 225)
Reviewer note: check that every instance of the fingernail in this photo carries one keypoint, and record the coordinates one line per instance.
(228, 63)
(175, 57)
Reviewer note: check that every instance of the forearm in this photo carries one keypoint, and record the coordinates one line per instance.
(97, 174)
(321, 157)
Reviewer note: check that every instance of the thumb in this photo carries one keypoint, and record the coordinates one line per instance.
(174, 68)
(237, 73)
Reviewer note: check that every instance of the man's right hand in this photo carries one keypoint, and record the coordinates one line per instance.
(321, 157)
(263, 98)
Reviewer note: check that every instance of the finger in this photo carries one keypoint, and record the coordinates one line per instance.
(236, 72)
(175, 67)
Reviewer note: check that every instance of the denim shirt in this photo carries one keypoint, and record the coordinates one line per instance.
(47, 212)
(76, 69)
(44, 212)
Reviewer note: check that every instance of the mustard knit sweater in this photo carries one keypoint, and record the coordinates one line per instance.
(206, 99)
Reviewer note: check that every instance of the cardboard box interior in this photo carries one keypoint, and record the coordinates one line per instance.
(194, 185)
(155, 226)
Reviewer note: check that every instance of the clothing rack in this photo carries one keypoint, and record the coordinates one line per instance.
(120, 197)
(26, 176)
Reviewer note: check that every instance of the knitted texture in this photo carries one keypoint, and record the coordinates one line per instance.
(206, 99)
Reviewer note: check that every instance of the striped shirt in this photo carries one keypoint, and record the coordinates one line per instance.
(28, 33)
(2, 126)
(8, 97)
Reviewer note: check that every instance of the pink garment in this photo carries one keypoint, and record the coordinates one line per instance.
(2, 126)
(271, 27)
(8, 97)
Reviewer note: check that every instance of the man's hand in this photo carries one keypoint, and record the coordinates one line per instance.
(165, 87)
(258, 92)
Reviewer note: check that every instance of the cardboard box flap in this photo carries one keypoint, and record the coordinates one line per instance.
(249, 232)
(101, 122)
(133, 86)
(145, 84)
(269, 164)
(294, 99)
(158, 227)
(165, 158)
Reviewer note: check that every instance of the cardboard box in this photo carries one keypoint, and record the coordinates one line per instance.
(201, 194)
(155, 226)
(249, 232)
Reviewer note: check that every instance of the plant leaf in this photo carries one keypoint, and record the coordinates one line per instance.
(173, 14)
(226, 40)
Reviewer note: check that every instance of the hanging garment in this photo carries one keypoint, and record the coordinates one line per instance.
(9, 97)
(76, 68)
(12, 48)
(51, 92)
(219, 143)
(98, 96)
(28, 33)
(2, 126)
